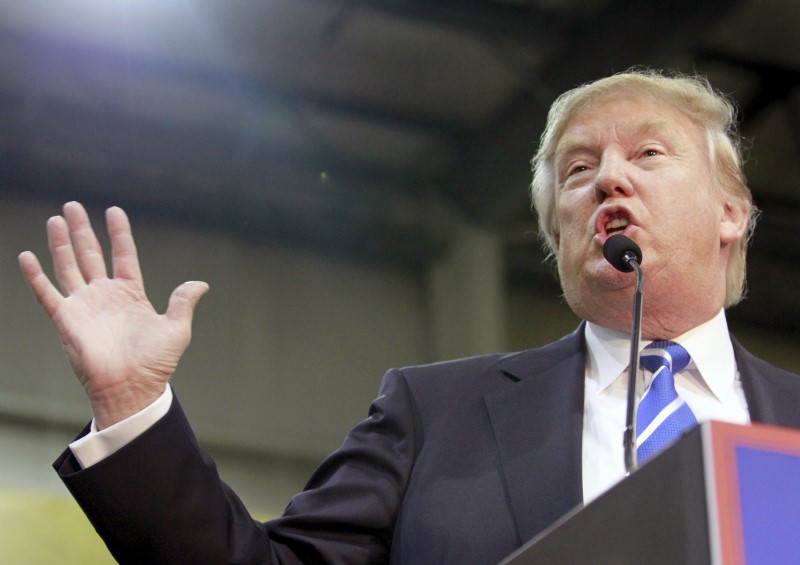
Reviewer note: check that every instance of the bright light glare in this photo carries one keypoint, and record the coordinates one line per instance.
(165, 27)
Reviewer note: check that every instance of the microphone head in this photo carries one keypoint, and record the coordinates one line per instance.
(619, 250)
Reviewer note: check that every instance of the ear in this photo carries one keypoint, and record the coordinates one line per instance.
(733, 221)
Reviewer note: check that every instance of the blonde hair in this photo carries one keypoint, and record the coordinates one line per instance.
(691, 95)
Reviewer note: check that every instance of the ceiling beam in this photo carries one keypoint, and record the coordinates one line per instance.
(118, 139)
(337, 219)
(72, 57)
(525, 24)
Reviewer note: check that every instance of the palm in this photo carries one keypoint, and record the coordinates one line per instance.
(121, 349)
(112, 335)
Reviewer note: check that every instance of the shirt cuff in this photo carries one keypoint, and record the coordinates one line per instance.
(99, 444)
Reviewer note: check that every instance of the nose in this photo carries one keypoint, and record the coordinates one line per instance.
(613, 178)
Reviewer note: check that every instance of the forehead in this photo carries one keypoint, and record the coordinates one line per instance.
(621, 118)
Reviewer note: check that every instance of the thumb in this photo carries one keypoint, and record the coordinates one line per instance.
(183, 300)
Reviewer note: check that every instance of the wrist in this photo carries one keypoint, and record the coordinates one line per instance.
(115, 406)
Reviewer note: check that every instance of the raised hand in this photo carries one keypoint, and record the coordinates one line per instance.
(121, 349)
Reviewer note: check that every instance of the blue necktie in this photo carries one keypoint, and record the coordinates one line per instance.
(662, 415)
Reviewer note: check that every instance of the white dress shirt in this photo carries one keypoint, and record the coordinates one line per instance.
(710, 385)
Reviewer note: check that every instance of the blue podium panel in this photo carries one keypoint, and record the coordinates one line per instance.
(769, 502)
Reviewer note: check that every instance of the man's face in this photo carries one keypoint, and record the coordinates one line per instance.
(639, 167)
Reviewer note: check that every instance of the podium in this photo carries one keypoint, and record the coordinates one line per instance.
(723, 494)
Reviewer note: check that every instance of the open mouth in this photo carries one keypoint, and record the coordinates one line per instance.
(613, 221)
(616, 225)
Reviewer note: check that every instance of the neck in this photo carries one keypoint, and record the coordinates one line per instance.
(663, 316)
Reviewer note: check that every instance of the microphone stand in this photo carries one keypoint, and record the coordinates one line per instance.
(629, 437)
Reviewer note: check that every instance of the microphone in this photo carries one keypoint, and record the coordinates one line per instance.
(623, 253)
(620, 250)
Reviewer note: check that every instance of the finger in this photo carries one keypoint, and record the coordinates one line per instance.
(65, 265)
(46, 294)
(88, 253)
(124, 258)
(183, 300)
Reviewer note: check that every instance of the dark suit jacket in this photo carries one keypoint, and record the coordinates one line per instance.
(458, 462)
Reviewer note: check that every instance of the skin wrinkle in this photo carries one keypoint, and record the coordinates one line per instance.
(656, 172)
(576, 146)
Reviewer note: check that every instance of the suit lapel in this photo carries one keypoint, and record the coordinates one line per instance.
(773, 395)
(538, 426)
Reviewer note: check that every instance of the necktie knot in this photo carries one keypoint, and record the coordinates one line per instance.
(664, 354)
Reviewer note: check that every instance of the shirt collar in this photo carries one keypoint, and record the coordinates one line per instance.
(709, 346)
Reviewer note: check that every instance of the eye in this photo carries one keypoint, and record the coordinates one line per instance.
(576, 169)
(651, 153)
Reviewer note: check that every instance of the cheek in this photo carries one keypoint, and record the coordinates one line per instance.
(695, 213)
(565, 208)
(572, 216)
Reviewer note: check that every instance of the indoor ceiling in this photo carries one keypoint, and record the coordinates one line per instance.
(351, 126)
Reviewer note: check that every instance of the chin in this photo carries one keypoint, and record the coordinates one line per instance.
(602, 277)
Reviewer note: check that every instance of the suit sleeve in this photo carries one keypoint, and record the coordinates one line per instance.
(160, 499)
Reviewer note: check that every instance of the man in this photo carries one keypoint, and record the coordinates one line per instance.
(458, 462)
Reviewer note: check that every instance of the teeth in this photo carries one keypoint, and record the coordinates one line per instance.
(617, 223)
